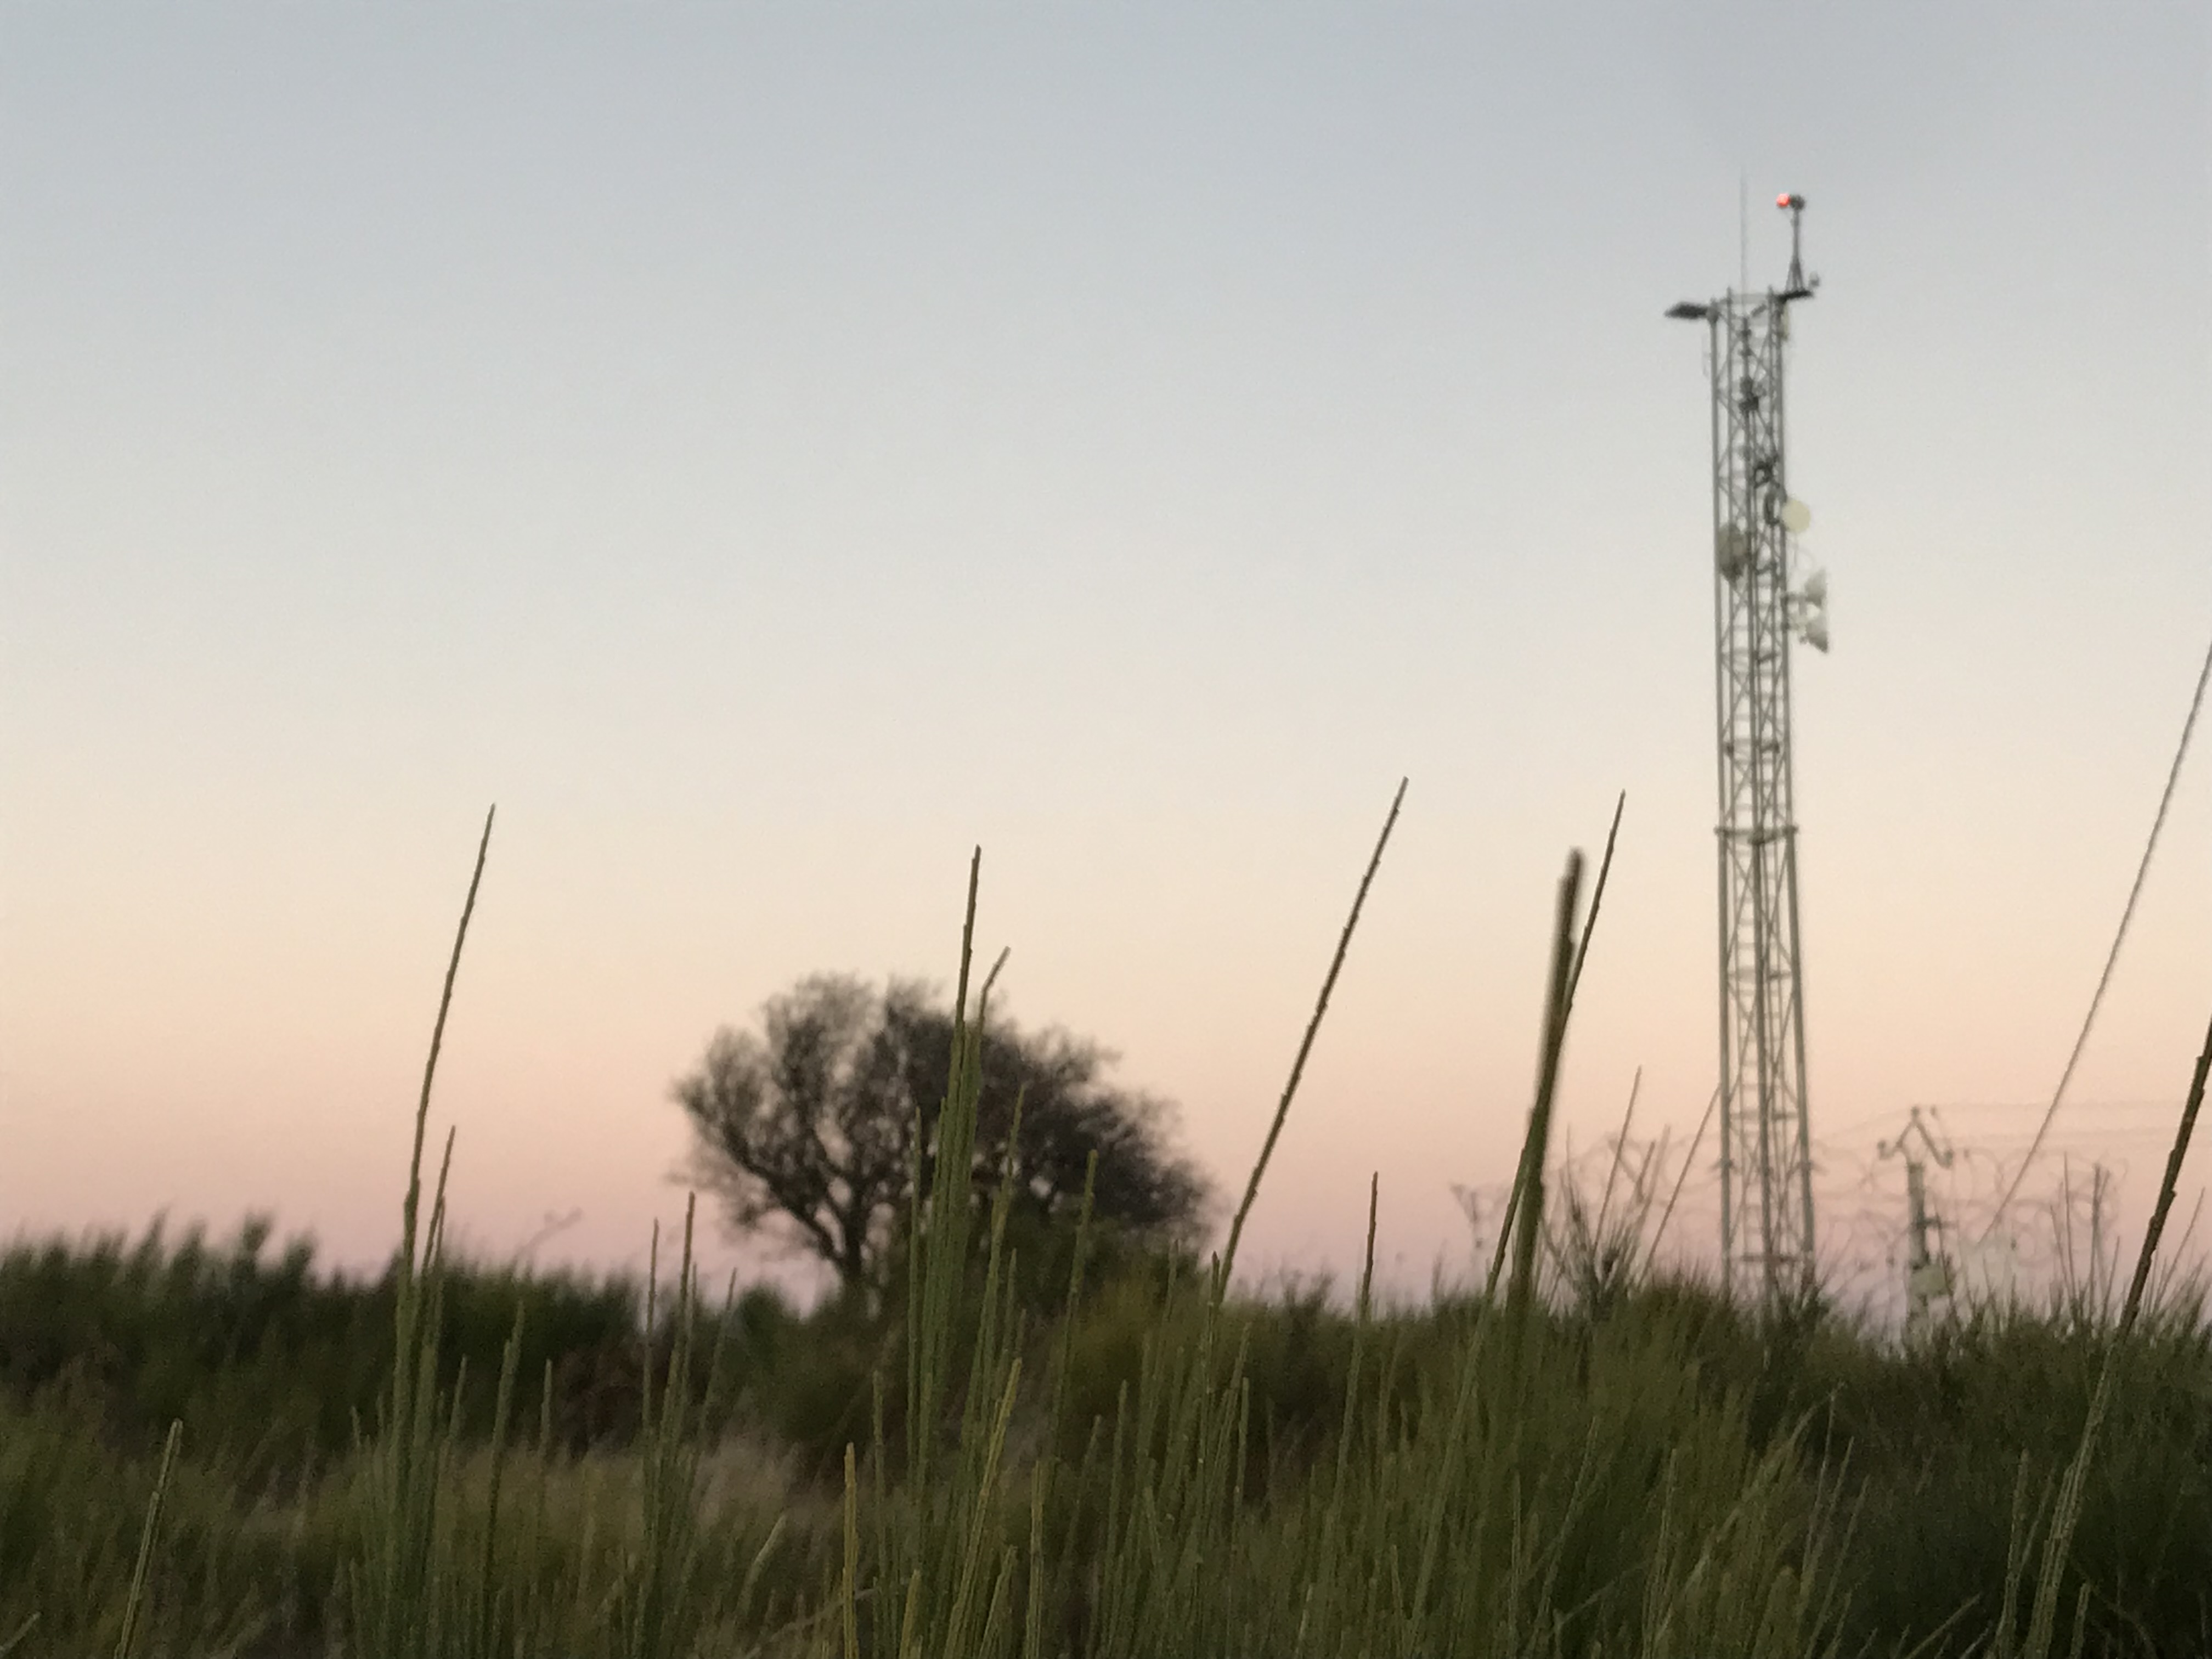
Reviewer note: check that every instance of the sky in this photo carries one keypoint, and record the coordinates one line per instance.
(771, 451)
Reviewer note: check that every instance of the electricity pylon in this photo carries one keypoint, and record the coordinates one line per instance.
(1766, 1163)
(1927, 1268)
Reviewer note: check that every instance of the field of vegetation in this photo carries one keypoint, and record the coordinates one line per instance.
(221, 1450)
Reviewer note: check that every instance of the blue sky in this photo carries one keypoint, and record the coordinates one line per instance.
(770, 450)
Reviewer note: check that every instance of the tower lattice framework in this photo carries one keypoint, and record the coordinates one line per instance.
(1767, 1237)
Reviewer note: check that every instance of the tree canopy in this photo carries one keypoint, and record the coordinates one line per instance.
(806, 1128)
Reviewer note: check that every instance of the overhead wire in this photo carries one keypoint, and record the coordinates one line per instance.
(2111, 957)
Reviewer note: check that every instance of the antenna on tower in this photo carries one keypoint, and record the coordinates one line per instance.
(1767, 1159)
(1799, 287)
(1743, 231)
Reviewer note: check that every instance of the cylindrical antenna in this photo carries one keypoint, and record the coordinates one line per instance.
(1743, 233)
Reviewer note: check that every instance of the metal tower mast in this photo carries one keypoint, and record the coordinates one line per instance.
(1766, 1164)
(1927, 1267)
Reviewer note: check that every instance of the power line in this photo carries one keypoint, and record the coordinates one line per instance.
(2127, 915)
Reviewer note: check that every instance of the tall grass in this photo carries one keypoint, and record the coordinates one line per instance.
(1619, 1513)
(1602, 1462)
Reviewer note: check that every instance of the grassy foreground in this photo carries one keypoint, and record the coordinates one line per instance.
(1894, 1473)
(1579, 1465)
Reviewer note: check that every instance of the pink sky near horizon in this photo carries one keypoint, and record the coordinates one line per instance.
(771, 455)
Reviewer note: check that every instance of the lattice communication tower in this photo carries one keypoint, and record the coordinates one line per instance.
(1760, 607)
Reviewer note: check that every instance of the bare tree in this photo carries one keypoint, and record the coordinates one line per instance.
(808, 1127)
